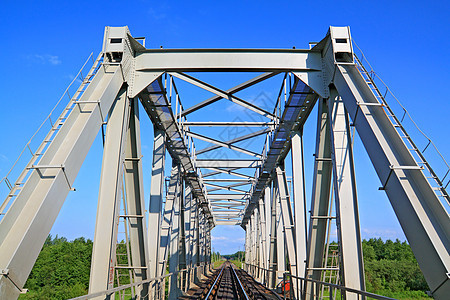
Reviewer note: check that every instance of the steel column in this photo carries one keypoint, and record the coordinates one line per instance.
(288, 222)
(174, 238)
(351, 256)
(281, 241)
(320, 198)
(156, 202)
(109, 198)
(135, 202)
(273, 256)
(167, 223)
(298, 181)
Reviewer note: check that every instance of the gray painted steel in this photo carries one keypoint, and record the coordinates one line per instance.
(180, 221)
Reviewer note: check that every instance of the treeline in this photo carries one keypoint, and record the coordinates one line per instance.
(392, 270)
(240, 255)
(62, 269)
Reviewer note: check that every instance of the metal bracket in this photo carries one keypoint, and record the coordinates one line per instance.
(54, 167)
(99, 108)
(7, 273)
(358, 104)
(382, 188)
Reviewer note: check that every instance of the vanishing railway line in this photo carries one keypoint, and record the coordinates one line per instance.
(229, 282)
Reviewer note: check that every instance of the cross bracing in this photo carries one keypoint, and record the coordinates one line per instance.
(219, 179)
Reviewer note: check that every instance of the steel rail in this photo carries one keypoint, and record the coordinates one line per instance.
(240, 284)
(215, 282)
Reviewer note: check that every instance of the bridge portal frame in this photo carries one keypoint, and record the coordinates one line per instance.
(326, 73)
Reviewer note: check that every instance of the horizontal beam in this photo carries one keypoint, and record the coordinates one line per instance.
(233, 90)
(225, 163)
(222, 144)
(228, 201)
(227, 180)
(228, 171)
(227, 222)
(223, 94)
(243, 60)
(227, 188)
(228, 124)
(235, 140)
(225, 196)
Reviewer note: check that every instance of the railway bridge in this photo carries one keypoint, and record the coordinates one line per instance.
(283, 242)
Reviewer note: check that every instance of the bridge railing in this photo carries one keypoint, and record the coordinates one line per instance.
(157, 285)
(316, 289)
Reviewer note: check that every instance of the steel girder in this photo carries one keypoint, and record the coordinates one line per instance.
(109, 198)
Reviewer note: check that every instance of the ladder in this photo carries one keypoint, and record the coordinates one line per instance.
(417, 154)
(331, 268)
(55, 127)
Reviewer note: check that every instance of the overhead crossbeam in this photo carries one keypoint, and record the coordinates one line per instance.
(226, 196)
(222, 144)
(227, 188)
(227, 171)
(216, 60)
(227, 163)
(233, 90)
(223, 94)
(236, 140)
(229, 124)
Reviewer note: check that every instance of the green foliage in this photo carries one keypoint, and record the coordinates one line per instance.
(240, 255)
(391, 270)
(61, 270)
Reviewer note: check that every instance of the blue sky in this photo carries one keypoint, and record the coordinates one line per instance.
(44, 43)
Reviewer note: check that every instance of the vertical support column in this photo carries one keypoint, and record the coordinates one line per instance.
(255, 249)
(247, 246)
(281, 243)
(263, 232)
(135, 202)
(175, 240)
(188, 229)
(250, 244)
(273, 263)
(110, 195)
(168, 218)
(156, 200)
(298, 179)
(320, 198)
(268, 211)
(195, 246)
(288, 222)
(208, 243)
(352, 265)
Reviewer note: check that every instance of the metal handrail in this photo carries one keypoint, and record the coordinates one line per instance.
(123, 287)
(341, 288)
(46, 119)
(330, 285)
(406, 113)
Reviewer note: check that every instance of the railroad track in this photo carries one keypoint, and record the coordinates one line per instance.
(229, 282)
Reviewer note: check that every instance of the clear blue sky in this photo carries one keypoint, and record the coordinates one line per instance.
(44, 43)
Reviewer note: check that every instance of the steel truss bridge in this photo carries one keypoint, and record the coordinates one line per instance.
(174, 232)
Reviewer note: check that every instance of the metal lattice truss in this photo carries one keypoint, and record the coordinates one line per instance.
(204, 189)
